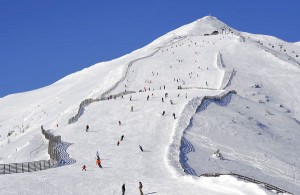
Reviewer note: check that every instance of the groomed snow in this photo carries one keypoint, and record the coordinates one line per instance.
(185, 58)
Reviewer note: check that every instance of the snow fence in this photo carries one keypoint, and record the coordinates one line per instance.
(56, 150)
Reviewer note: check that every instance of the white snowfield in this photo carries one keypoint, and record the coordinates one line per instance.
(257, 130)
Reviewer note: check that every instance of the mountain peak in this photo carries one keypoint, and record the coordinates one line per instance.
(205, 25)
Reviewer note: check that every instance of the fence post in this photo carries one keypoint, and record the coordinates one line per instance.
(4, 168)
(49, 163)
(8, 168)
(40, 165)
(28, 167)
(16, 167)
(22, 168)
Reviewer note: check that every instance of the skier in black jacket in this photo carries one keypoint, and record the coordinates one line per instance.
(123, 189)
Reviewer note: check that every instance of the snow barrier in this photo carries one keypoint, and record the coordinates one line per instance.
(263, 184)
(26, 166)
(87, 102)
(57, 149)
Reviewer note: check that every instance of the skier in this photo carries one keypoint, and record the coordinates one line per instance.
(163, 113)
(97, 155)
(164, 87)
(84, 168)
(122, 137)
(162, 99)
(130, 98)
(131, 108)
(87, 128)
(98, 162)
(141, 148)
(118, 143)
(140, 188)
(174, 115)
(147, 97)
(171, 102)
(119, 123)
(123, 189)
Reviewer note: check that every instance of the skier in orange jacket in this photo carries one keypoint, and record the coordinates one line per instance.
(98, 162)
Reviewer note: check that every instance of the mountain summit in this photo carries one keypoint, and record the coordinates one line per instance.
(205, 25)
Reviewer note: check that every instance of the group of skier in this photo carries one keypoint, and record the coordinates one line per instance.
(140, 188)
(98, 160)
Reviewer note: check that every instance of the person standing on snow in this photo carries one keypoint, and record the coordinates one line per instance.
(123, 189)
(163, 113)
(119, 123)
(131, 108)
(118, 143)
(87, 128)
(84, 168)
(122, 137)
(141, 148)
(147, 97)
(140, 188)
(174, 115)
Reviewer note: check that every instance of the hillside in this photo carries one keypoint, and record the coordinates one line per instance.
(256, 129)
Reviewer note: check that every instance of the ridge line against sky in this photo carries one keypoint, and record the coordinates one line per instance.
(43, 41)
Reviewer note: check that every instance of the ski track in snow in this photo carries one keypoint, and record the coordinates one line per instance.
(186, 147)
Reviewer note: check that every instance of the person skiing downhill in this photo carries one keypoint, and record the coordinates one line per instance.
(163, 113)
(120, 123)
(87, 128)
(123, 189)
(140, 188)
(118, 143)
(122, 137)
(174, 115)
(84, 168)
(98, 162)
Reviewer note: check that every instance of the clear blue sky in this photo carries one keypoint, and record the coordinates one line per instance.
(42, 41)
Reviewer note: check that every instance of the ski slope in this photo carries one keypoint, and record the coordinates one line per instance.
(260, 141)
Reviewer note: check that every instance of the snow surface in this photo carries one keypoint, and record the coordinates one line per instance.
(257, 130)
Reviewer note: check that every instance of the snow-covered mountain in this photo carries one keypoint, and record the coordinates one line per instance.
(256, 129)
